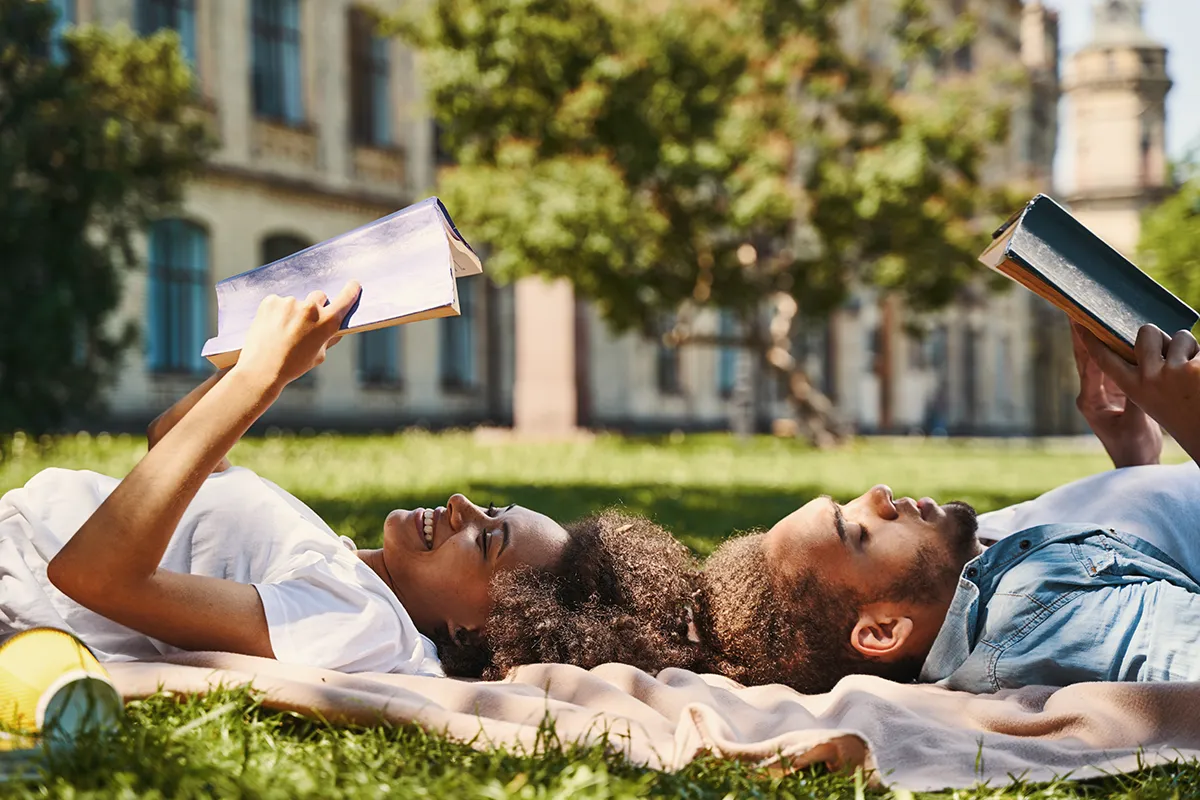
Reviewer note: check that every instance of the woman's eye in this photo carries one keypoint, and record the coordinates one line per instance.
(864, 534)
(492, 510)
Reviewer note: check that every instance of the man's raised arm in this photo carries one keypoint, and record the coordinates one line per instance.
(1165, 381)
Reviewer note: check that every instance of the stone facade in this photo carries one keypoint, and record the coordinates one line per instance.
(989, 364)
(308, 180)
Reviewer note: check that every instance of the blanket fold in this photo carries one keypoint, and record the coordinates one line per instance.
(910, 736)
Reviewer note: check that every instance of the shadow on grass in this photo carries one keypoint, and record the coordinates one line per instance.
(700, 517)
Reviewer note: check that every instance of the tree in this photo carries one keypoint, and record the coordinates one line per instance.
(1169, 248)
(675, 155)
(96, 138)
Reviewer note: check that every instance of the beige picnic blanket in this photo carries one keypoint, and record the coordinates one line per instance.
(910, 736)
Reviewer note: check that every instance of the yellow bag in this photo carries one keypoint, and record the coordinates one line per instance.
(51, 690)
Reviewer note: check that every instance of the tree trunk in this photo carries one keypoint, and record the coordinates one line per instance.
(816, 417)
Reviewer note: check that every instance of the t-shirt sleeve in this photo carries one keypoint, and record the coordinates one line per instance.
(317, 619)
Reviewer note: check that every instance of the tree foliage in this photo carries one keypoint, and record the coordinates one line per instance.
(684, 153)
(96, 137)
(1170, 242)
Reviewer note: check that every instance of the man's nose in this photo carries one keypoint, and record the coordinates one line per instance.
(883, 502)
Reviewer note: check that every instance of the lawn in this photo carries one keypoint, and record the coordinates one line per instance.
(701, 487)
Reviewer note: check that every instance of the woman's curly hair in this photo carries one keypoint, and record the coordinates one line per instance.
(622, 591)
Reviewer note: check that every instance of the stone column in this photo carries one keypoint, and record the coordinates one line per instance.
(544, 403)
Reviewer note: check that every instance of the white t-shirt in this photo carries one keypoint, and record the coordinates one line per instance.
(324, 606)
(1157, 503)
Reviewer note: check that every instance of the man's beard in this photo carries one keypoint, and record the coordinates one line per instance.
(964, 544)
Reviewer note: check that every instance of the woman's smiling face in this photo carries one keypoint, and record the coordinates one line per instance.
(441, 560)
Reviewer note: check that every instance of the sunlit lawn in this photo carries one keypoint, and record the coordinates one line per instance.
(702, 488)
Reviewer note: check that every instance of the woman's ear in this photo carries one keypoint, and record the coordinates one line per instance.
(881, 632)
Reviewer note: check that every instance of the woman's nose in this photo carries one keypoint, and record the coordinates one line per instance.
(462, 510)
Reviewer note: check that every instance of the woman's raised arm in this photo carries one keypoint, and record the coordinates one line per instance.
(167, 420)
(111, 564)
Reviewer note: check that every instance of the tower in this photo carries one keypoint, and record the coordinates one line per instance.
(1118, 86)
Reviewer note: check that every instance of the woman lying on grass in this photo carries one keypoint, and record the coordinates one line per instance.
(189, 553)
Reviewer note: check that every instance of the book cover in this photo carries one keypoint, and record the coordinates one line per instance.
(407, 263)
(1047, 250)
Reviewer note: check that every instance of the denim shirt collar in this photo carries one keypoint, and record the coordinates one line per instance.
(957, 637)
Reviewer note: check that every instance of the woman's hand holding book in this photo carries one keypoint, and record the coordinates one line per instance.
(289, 337)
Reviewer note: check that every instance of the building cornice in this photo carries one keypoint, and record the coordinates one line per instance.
(358, 199)
(1121, 194)
(1139, 83)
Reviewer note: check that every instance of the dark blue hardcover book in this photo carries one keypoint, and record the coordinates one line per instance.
(1047, 250)
(407, 263)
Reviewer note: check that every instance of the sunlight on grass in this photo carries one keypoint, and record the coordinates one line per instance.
(701, 487)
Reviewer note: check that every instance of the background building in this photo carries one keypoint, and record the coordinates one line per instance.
(321, 128)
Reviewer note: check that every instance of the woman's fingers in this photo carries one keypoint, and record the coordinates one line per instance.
(340, 306)
(1181, 349)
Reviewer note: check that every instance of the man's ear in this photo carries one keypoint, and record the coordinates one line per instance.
(881, 632)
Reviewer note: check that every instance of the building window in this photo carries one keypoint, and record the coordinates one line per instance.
(379, 357)
(457, 352)
(177, 296)
(275, 33)
(667, 360)
(64, 11)
(177, 15)
(370, 68)
(281, 246)
(726, 356)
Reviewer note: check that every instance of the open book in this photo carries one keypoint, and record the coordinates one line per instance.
(407, 263)
(1048, 251)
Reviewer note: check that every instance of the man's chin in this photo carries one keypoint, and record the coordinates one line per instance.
(963, 525)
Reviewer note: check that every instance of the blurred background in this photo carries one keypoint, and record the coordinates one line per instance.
(757, 216)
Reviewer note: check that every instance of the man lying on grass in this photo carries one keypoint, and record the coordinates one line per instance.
(189, 553)
(1096, 581)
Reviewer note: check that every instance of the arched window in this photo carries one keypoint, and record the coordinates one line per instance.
(177, 291)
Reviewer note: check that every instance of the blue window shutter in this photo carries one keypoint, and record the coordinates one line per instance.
(380, 86)
(176, 296)
(276, 66)
(458, 341)
(293, 110)
(65, 11)
(379, 356)
(726, 356)
(178, 15)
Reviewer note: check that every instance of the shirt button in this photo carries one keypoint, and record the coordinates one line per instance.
(1026, 544)
(972, 573)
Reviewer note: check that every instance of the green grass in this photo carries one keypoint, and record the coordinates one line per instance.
(703, 488)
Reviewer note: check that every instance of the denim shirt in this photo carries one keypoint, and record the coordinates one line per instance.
(1060, 604)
